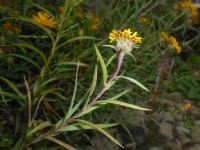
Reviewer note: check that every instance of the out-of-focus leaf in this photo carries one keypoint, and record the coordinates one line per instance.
(102, 131)
(13, 87)
(39, 127)
(57, 141)
(25, 45)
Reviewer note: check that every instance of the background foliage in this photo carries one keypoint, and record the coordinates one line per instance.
(43, 62)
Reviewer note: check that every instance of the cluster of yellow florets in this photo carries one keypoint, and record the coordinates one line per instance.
(125, 40)
(172, 41)
(125, 34)
(192, 8)
(44, 19)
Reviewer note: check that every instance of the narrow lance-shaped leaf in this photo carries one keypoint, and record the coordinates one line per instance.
(118, 95)
(94, 81)
(61, 143)
(78, 126)
(39, 127)
(93, 85)
(111, 59)
(134, 81)
(102, 131)
(29, 46)
(27, 59)
(94, 107)
(103, 66)
(124, 104)
(13, 87)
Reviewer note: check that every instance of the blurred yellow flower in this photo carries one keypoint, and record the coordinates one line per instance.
(80, 13)
(81, 32)
(95, 22)
(1, 51)
(187, 106)
(94, 26)
(7, 26)
(125, 40)
(15, 13)
(18, 30)
(144, 20)
(61, 9)
(44, 19)
(172, 41)
(188, 4)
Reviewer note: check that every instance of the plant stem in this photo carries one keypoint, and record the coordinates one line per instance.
(105, 87)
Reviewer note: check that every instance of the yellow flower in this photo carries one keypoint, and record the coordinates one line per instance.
(18, 30)
(8, 26)
(192, 8)
(81, 32)
(172, 41)
(15, 13)
(144, 20)
(95, 22)
(187, 106)
(44, 19)
(125, 40)
(1, 51)
(94, 26)
(61, 9)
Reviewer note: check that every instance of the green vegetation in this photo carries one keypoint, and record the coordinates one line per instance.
(60, 75)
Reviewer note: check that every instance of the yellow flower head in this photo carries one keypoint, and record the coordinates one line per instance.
(172, 41)
(44, 19)
(8, 26)
(15, 13)
(61, 9)
(187, 106)
(192, 8)
(18, 30)
(125, 40)
(81, 32)
(144, 20)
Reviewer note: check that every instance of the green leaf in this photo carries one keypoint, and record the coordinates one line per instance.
(29, 46)
(24, 58)
(118, 95)
(95, 106)
(78, 126)
(102, 131)
(135, 82)
(39, 127)
(70, 113)
(76, 39)
(116, 102)
(103, 66)
(13, 87)
(11, 95)
(89, 109)
(57, 141)
(111, 59)
(94, 81)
